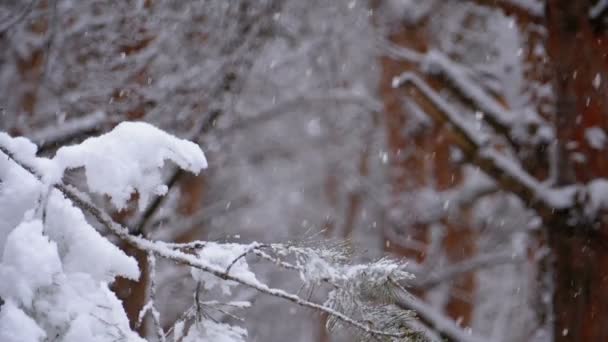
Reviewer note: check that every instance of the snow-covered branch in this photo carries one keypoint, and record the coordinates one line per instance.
(476, 147)
(213, 264)
(160, 249)
(518, 128)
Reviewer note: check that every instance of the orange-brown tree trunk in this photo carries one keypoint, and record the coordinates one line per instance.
(578, 54)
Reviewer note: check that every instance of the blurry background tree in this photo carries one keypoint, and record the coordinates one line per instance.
(483, 167)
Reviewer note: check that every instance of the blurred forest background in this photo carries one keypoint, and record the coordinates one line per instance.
(467, 136)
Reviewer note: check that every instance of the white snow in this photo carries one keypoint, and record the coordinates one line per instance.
(596, 137)
(81, 246)
(29, 262)
(209, 331)
(19, 190)
(436, 61)
(16, 326)
(597, 81)
(598, 196)
(55, 268)
(128, 159)
(222, 256)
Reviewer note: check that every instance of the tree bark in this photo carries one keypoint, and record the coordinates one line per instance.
(577, 52)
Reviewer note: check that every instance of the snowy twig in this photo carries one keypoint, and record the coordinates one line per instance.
(149, 307)
(250, 249)
(397, 52)
(463, 267)
(433, 317)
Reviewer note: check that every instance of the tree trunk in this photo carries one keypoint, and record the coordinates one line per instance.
(577, 52)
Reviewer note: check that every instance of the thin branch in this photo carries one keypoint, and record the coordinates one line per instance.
(463, 267)
(254, 246)
(228, 83)
(277, 261)
(341, 96)
(432, 317)
(397, 52)
(150, 307)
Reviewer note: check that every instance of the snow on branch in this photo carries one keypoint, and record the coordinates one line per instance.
(161, 249)
(520, 129)
(112, 162)
(475, 145)
(128, 159)
(514, 127)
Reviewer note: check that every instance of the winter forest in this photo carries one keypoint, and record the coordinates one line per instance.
(303, 170)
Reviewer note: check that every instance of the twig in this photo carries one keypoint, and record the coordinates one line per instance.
(149, 307)
(251, 248)
(463, 267)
